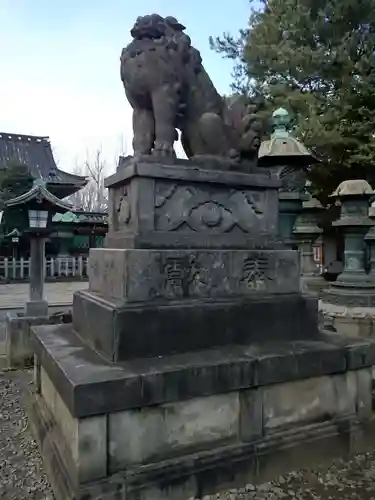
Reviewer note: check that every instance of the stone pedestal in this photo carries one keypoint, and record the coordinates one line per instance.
(193, 362)
(188, 425)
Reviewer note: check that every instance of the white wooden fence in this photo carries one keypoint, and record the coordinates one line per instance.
(54, 268)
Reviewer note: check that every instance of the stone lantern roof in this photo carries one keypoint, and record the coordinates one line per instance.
(354, 196)
(282, 148)
(353, 187)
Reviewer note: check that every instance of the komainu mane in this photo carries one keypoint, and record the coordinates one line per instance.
(169, 90)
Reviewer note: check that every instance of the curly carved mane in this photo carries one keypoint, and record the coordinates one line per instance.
(168, 88)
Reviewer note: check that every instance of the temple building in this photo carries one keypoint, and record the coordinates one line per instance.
(74, 232)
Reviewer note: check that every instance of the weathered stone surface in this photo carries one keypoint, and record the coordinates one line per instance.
(360, 352)
(91, 385)
(19, 353)
(123, 332)
(251, 414)
(158, 63)
(341, 297)
(85, 438)
(364, 393)
(194, 475)
(309, 400)
(353, 325)
(193, 360)
(346, 393)
(182, 205)
(146, 275)
(36, 308)
(140, 436)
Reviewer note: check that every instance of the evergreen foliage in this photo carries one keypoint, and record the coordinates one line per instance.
(316, 58)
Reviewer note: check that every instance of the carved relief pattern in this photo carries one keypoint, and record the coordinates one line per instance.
(210, 210)
(119, 208)
(123, 208)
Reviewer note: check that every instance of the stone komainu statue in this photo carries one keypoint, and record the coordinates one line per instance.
(168, 89)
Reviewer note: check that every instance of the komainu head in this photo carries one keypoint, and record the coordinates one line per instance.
(150, 26)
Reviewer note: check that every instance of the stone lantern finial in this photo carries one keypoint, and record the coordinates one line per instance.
(283, 149)
(281, 121)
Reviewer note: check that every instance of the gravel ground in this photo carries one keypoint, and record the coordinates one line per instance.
(21, 473)
(22, 476)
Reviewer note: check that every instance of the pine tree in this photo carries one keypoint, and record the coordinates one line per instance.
(317, 59)
(15, 179)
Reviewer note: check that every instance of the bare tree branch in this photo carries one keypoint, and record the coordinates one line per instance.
(93, 197)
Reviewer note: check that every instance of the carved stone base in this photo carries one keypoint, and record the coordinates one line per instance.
(131, 276)
(152, 302)
(182, 205)
(190, 425)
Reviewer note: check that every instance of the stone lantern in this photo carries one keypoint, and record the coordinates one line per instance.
(349, 301)
(306, 231)
(36, 207)
(354, 197)
(291, 159)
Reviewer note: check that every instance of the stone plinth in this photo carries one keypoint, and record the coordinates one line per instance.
(193, 357)
(188, 425)
(137, 296)
(131, 331)
(184, 206)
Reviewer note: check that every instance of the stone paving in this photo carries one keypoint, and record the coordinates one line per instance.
(15, 295)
